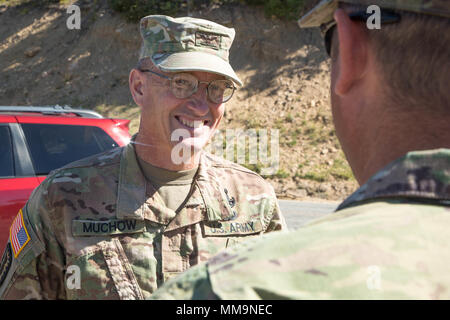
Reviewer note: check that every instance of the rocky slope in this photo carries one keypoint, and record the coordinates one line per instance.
(284, 69)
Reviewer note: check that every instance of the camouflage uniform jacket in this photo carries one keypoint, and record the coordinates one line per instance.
(389, 240)
(96, 229)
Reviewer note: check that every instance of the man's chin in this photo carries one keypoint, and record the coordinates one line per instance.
(196, 143)
(187, 151)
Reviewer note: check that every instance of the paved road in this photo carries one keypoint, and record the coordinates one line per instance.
(297, 213)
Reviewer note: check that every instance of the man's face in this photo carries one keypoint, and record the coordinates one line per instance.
(166, 118)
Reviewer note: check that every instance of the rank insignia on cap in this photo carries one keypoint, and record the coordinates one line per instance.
(207, 40)
(18, 234)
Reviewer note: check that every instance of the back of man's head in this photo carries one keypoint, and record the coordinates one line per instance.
(414, 57)
(389, 84)
(413, 54)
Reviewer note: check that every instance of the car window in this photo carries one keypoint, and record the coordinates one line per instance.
(6, 153)
(54, 146)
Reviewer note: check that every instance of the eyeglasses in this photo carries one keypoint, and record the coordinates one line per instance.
(387, 17)
(184, 85)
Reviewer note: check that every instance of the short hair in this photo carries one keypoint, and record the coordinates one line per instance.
(145, 63)
(414, 58)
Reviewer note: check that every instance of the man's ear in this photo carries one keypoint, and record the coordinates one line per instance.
(136, 84)
(352, 57)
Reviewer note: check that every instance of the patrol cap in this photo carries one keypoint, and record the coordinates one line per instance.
(187, 44)
(323, 12)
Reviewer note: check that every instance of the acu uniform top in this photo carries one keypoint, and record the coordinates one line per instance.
(389, 240)
(97, 229)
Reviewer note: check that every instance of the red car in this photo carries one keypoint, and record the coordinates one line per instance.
(36, 140)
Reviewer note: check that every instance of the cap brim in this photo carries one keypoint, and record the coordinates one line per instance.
(321, 13)
(195, 61)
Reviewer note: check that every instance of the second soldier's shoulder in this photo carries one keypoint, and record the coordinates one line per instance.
(406, 177)
(386, 209)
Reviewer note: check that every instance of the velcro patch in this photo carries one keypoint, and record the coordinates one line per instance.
(18, 234)
(5, 264)
(227, 228)
(82, 228)
(170, 275)
(210, 40)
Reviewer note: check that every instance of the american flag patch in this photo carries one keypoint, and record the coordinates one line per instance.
(18, 234)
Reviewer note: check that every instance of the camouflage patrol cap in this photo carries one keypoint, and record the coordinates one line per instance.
(187, 44)
(323, 12)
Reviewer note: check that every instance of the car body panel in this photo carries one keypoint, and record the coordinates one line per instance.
(7, 119)
(13, 195)
(15, 191)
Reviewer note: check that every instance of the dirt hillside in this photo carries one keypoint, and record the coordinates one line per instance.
(284, 69)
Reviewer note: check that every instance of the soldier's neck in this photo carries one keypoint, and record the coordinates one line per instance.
(164, 157)
(394, 140)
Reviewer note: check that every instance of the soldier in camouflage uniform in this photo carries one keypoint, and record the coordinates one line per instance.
(119, 224)
(388, 240)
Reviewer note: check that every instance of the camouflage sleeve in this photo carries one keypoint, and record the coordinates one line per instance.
(274, 220)
(32, 264)
(193, 284)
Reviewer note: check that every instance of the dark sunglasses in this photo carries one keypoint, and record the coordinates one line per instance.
(387, 17)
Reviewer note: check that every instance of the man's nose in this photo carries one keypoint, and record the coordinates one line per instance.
(200, 102)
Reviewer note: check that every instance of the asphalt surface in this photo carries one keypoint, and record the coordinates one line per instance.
(298, 213)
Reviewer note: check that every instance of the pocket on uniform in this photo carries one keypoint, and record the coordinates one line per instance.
(103, 272)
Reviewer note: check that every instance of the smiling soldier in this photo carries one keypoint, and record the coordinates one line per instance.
(119, 224)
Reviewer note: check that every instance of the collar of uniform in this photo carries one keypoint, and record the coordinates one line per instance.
(137, 198)
(132, 186)
(192, 212)
(418, 174)
(213, 194)
(131, 198)
(157, 211)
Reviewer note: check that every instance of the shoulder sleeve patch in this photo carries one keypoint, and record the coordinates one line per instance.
(22, 248)
(18, 234)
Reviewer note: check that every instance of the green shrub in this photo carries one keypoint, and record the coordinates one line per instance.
(283, 9)
(133, 10)
(281, 173)
(27, 2)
